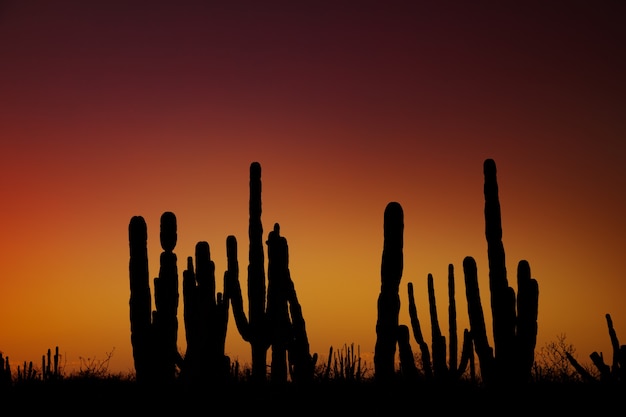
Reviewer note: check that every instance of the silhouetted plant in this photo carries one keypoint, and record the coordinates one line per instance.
(275, 321)
(154, 333)
(253, 328)
(50, 370)
(439, 369)
(389, 298)
(206, 316)
(614, 373)
(553, 366)
(345, 365)
(94, 368)
(6, 379)
(514, 325)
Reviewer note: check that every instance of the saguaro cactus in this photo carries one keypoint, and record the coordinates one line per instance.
(389, 299)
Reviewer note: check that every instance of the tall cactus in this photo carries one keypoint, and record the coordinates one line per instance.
(514, 322)
(388, 299)
(154, 333)
(206, 320)
(502, 296)
(140, 300)
(253, 328)
(165, 317)
(290, 344)
(278, 319)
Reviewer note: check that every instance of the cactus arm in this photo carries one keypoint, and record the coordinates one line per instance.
(502, 304)
(477, 319)
(417, 333)
(438, 341)
(527, 310)
(453, 340)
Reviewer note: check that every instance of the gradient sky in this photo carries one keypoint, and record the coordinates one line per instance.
(110, 109)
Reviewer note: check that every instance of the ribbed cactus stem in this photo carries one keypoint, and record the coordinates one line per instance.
(389, 300)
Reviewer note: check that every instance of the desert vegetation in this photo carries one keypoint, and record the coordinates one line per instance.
(285, 372)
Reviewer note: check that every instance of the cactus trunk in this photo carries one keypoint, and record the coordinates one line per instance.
(389, 299)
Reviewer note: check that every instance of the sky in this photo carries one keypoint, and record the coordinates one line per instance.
(112, 109)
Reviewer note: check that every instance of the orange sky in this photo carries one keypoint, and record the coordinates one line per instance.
(115, 109)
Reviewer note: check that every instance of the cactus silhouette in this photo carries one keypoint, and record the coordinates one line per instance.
(253, 328)
(206, 319)
(154, 333)
(439, 369)
(6, 378)
(388, 298)
(288, 329)
(611, 374)
(140, 300)
(275, 321)
(514, 323)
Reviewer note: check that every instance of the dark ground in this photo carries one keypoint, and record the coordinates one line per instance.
(103, 397)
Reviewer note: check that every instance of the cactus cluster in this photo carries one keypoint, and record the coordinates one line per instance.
(514, 319)
(275, 318)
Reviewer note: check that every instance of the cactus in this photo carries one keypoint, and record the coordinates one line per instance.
(514, 323)
(278, 320)
(439, 369)
(417, 334)
(6, 379)
(253, 328)
(206, 319)
(285, 317)
(611, 374)
(389, 299)
(154, 333)
(50, 370)
(408, 370)
(140, 300)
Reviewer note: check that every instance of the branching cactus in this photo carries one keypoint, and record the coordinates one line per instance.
(389, 299)
(439, 369)
(514, 322)
(154, 333)
(206, 319)
(165, 317)
(285, 317)
(612, 374)
(253, 328)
